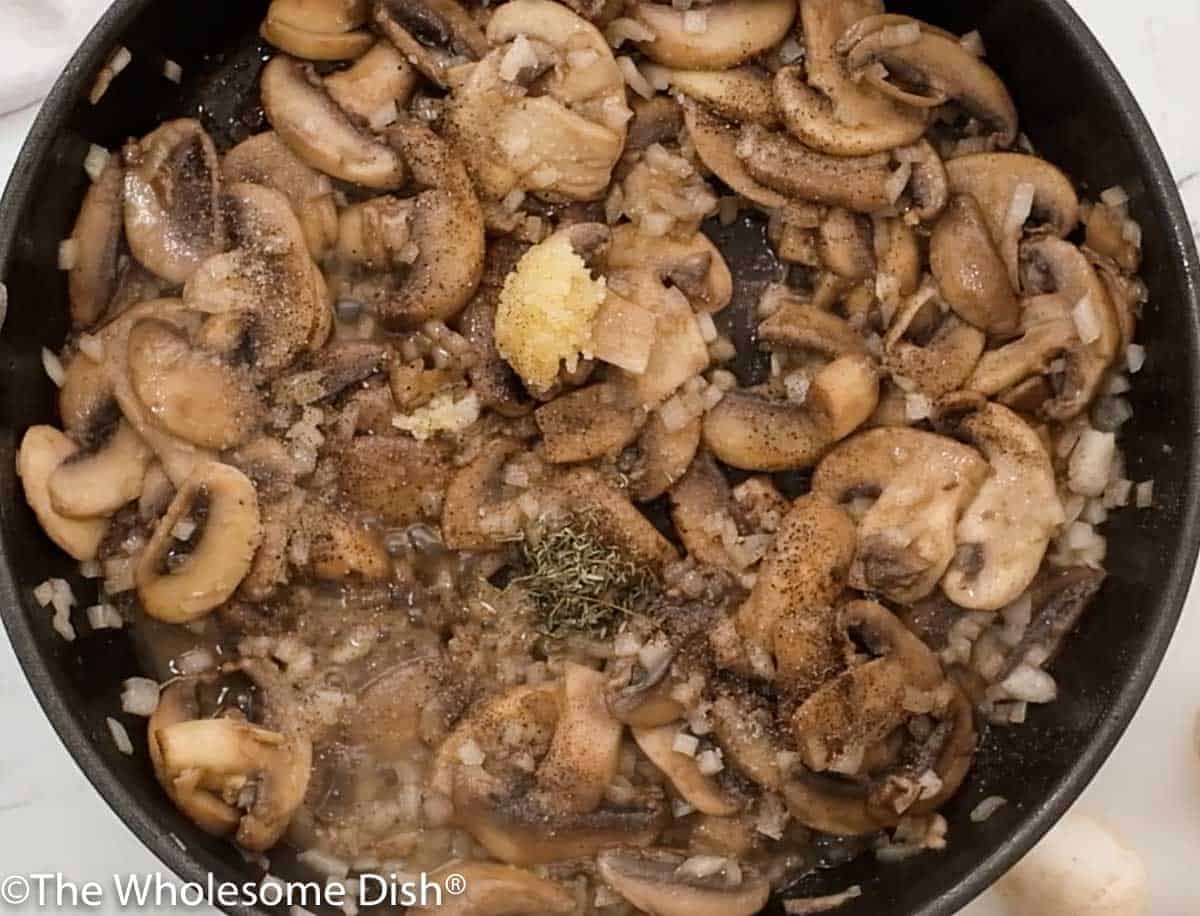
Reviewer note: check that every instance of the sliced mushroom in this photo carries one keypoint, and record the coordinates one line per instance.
(826, 109)
(934, 69)
(734, 32)
(229, 776)
(498, 890)
(970, 272)
(994, 180)
(844, 244)
(525, 822)
(378, 84)
(741, 94)
(788, 613)
(267, 300)
(1047, 332)
(749, 431)
(427, 252)
(341, 547)
(98, 230)
(563, 140)
(271, 468)
(659, 882)
(701, 791)
(693, 265)
(922, 482)
(1059, 598)
(715, 141)
(474, 494)
(43, 449)
(266, 160)
(192, 394)
(617, 520)
(589, 423)
(940, 358)
(180, 580)
(435, 35)
(320, 133)
(796, 325)
(173, 217)
(1051, 265)
(318, 29)
(660, 457)
(102, 477)
(396, 478)
(861, 706)
(1004, 532)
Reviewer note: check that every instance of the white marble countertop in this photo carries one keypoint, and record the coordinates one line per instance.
(52, 820)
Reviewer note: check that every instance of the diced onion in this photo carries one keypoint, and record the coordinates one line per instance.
(386, 115)
(917, 406)
(1135, 357)
(470, 754)
(68, 254)
(1030, 684)
(521, 55)
(104, 617)
(973, 42)
(96, 161)
(695, 22)
(139, 696)
(1144, 496)
(1087, 323)
(797, 385)
(1115, 196)
(172, 71)
(194, 661)
(897, 181)
(686, 744)
(987, 808)
(634, 79)
(710, 763)
(625, 29)
(120, 736)
(708, 328)
(1091, 461)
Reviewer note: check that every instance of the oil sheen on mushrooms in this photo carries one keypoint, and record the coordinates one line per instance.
(480, 510)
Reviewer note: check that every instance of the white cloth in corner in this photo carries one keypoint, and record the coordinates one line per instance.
(37, 38)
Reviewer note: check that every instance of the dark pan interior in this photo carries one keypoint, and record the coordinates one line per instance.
(1077, 112)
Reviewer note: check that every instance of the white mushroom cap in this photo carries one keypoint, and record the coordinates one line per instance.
(1080, 868)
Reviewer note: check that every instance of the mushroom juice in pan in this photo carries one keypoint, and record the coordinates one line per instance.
(410, 439)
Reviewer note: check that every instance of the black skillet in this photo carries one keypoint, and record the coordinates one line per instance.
(1078, 112)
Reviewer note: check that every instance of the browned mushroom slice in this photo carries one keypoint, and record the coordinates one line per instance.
(1004, 532)
(797, 325)
(861, 706)
(696, 500)
(320, 133)
(97, 236)
(845, 245)
(926, 68)
(265, 159)
(229, 776)
(864, 184)
(474, 515)
(734, 32)
(934, 359)
(589, 423)
(702, 792)
(318, 29)
(1059, 598)
(617, 520)
(1011, 190)
(267, 300)
(427, 251)
(1047, 332)
(376, 86)
(271, 468)
(971, 275)
(435, 35)
(921, 483)
(750, 431)
(498, 890)
(826, 109)
(173, 217)
(801, 576)
(741, 94)
(664, 883)
(339, 546)
(180, 579)
(43, 449)
(192, 394)
(102, 477)
(395, 477)
(693, 264)
(716, 145)
(660, 457)
(1052, 265)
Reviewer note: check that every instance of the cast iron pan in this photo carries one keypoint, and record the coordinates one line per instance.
(1079, 114)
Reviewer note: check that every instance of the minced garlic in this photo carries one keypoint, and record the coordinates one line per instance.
(546, 312)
